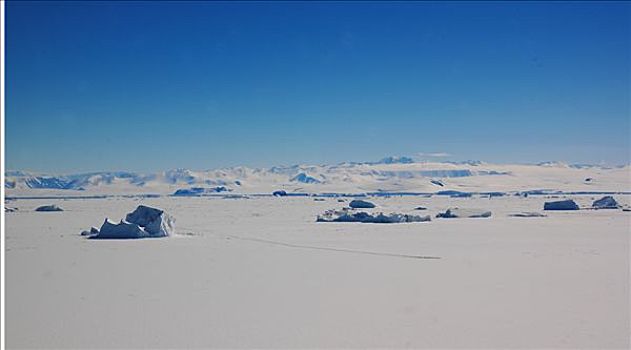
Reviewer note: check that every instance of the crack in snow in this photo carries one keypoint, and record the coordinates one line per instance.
(366, 252)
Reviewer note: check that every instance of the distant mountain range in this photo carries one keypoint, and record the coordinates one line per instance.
(389, 174)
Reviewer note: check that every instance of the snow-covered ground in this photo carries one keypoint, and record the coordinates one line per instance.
(261, 272)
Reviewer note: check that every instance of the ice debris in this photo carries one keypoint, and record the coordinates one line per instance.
(464, 213)
(346, 215)
(528, 214)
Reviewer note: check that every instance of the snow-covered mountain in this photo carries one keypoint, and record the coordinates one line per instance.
(392, 174)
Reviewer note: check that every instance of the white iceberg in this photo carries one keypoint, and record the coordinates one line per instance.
(123, 229)
(93, 232)
(567, 204)
(143, 222)
(156, 222)
(360, 204)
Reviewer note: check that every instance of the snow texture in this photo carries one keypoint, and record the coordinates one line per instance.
(528, 214)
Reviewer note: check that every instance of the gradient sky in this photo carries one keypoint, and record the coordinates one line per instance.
(148, 86)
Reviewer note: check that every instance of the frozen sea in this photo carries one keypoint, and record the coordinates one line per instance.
(261, 273)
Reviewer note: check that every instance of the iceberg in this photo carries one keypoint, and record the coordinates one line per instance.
(155, 221)
(360, 204)
(345, 215)
(93, 232)
(567, 204)
(122, 230)
(51, 207)
(607, 202)
(143, 222)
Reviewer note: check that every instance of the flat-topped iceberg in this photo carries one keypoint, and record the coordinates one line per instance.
(360, 204)
(567, 204)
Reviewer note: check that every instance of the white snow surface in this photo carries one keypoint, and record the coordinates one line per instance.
(261, 273)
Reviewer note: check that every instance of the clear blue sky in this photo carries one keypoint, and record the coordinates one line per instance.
(148, 86)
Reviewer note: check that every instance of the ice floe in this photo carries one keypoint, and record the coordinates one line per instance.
(346, 215)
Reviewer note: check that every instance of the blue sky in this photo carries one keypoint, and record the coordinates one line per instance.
(148, 86)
